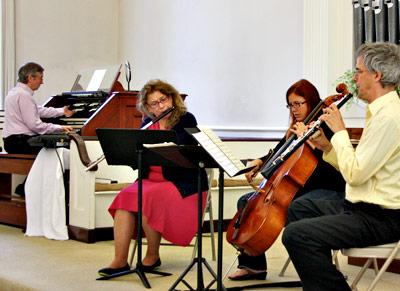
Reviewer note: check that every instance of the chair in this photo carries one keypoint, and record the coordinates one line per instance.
(286, 264)
(208, 209)
(389, 252)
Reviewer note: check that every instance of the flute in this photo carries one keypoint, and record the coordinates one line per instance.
(147, 125)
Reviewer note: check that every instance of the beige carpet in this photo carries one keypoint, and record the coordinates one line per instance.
(35, 263)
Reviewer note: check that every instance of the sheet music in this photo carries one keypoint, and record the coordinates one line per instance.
(96, 80)
(221, 153)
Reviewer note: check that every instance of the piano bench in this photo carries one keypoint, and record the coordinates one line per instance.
(12, 209)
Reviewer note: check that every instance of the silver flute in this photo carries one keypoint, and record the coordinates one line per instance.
(147, 125)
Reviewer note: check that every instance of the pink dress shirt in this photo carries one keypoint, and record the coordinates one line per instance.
(22, 114)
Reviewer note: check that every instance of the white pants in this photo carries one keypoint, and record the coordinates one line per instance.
(45, 195)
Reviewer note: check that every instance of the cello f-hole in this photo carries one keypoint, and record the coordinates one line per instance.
(268, 194)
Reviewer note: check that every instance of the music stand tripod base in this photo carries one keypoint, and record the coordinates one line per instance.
(199, 260)
(139, 272)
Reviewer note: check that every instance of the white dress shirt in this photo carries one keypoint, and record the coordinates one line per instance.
(372, 170)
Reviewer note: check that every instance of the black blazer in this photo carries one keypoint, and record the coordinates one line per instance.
(183, 179)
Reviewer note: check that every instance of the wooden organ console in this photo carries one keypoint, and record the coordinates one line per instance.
(116, 109)
(89, 220)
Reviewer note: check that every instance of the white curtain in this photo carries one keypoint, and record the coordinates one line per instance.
(7, 48)
(45, 195)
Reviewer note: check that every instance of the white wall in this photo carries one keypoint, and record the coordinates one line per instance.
(235, 58)
(66, 37)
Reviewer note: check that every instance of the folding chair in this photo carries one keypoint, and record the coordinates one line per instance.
(389, 252)
(286, 264)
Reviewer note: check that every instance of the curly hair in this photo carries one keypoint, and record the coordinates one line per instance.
(166, 89)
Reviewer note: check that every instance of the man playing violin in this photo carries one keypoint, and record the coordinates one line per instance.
(302, 97)
(370, 213)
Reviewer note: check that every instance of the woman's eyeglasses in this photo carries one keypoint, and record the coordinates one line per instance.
(295, 104)
(162, 100)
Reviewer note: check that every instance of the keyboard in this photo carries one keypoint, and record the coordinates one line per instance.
(50, 140)
(85, 94)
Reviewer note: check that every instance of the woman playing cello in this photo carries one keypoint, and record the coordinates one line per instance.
(301, 98)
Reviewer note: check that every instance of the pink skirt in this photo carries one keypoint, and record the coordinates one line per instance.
(163, 206)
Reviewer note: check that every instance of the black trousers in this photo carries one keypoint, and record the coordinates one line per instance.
(18, 144)
(260, 262)
(245, 261)
(317, 226)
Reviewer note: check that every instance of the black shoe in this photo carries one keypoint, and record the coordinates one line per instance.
(152, 267)
(112, 271)
(250, 276)
(20, 190)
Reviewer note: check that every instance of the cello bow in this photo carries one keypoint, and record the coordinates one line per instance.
(341, 89)
(255, 233)
(296, 143)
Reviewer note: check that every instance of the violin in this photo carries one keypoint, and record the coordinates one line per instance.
(256, 226)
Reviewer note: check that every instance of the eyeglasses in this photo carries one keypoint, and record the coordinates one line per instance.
(295, 105)
(162, 100)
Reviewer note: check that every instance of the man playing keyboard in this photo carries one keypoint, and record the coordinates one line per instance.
(22, 114)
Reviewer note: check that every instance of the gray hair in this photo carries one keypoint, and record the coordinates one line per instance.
(383, 57)
(28, 69)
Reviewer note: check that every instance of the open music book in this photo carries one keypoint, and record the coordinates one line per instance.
(219, 151)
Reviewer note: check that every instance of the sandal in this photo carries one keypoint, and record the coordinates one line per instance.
(248, 275)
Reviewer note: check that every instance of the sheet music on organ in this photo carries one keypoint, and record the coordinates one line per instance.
(220, 152)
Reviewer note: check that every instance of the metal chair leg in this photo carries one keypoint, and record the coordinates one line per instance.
(334, 258)
(283, 270)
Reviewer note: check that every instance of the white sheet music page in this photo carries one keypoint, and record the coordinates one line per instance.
(221, 153)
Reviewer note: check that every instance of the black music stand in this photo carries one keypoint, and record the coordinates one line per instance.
(209, 144)
(125, 147)
(196, 157)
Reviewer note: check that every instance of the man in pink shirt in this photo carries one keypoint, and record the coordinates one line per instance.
(22, 114)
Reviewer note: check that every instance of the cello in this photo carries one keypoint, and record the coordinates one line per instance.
(256, 226)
